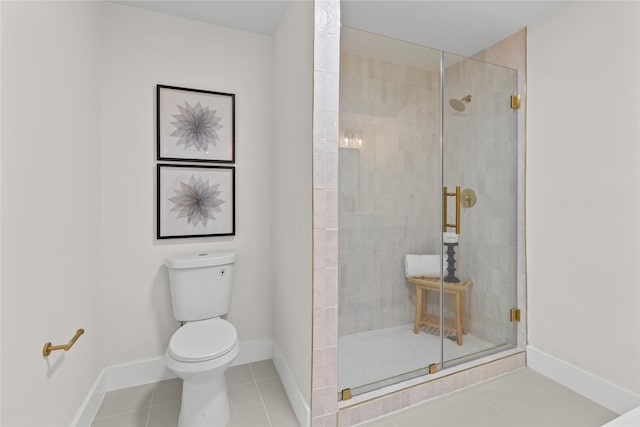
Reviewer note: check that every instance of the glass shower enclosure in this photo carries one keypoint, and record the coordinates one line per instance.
(427, 198)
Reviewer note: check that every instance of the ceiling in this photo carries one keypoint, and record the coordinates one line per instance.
(461, 27)
(256, 16)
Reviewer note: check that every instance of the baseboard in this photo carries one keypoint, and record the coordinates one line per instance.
(153, 370)
(254, 351)
(298, 404)
(137, 373)
(603, 392)
(89, 408)
(630, 419)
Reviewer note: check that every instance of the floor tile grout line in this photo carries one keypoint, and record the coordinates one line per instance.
(264, 406)
(148, 417)
(129, 410)
(241, 384)
(252, 374)
(508, 417)
(166, 403)
(122, 413)
(391, 421)
(489, 404)
(153, 394)
(478, 395)
(255, 378)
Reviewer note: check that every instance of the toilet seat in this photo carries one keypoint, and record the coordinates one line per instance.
(203, 340)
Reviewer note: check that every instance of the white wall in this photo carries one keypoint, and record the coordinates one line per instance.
(51, 215)
(583, 188)
(1, 38)
(291, 181)
(139, 50)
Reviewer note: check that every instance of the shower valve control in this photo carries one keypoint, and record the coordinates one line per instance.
(469, 198)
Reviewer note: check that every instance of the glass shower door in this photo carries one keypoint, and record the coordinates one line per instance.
(388, 207)
(412, 121)
(479, 172)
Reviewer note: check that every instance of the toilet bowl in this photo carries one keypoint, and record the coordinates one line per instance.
(200, 352)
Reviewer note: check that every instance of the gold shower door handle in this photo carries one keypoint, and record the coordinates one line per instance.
(48, 348)
(445, 195)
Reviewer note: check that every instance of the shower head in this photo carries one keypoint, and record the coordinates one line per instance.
(458, 104)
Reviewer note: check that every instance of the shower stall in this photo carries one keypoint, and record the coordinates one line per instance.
(427, 211)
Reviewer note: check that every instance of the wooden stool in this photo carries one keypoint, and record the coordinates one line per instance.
(459, 290)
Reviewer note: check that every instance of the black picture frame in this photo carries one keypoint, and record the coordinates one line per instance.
(195, 125)
(195, 201)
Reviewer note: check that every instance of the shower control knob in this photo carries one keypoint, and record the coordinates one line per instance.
(468, 198)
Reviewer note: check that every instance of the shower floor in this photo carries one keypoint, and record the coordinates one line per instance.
(371, 356)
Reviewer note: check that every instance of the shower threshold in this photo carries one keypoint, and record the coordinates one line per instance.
(372, 360)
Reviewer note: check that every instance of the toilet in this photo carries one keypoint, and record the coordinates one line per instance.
(202, 349)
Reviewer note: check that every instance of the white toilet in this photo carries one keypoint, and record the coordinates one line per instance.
(203, 348)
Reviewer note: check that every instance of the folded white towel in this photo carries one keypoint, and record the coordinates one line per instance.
(422, 265)
(449, 237)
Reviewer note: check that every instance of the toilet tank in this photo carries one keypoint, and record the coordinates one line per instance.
(201, 285)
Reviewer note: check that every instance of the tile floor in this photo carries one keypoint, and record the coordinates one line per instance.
(521, 398)
(256, 397)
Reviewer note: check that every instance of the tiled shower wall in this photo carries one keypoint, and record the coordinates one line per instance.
(389, 191)
(480, 153)
(324, 376)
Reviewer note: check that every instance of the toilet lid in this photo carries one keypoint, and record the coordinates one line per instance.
(203, 340)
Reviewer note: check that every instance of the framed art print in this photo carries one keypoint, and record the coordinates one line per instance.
(195, 125)
(195, 201)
